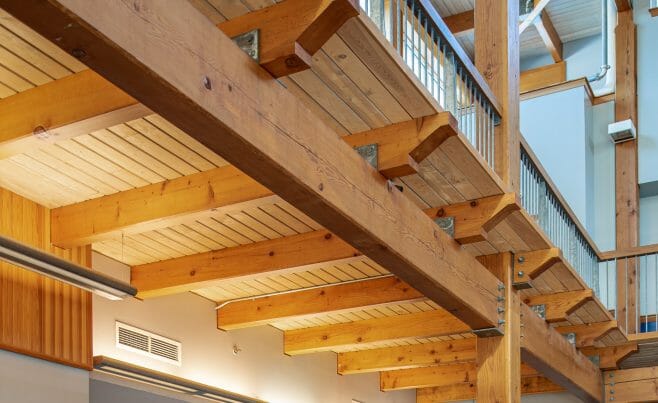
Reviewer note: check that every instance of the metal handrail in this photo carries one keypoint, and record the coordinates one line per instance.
(431, 51)
(543, 201)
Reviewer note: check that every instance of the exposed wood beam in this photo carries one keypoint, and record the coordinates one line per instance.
(473, 219)
(284, 255)
(611, 357)
(332, 298)
(589, 333)
(499, 358)
(405, 357)
(402, 146)
(217, 94)
(623, 5)
(427, 377)
(542, 77)
(156, 206)
(533, 15)
(653, 12)
(461, 23)
(353, 334)
(632, 385)
(290, 32)
(78, 104)
(467, 391)
(560, 305)
(553, 356)
(530, 265)
(497, 58)
(627, 194)
(549, 36)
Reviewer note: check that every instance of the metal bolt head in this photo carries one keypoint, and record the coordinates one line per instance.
(501, 321)
(501, 287)
(207, 83)
(521, 273)
(79, 53)
(500, 299)
(521, 259)
(501, 309)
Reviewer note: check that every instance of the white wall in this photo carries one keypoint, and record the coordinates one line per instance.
(260, 369)
(25, 379)
(649, 220)
(647, 91)
(556, 128)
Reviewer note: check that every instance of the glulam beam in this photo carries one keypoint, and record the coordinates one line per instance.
(415, 378)
(291, 254)
(71, 106)
(560, 305)
(549, 36)
(194, 76)
(306, 303)
(434, 323)
(467, 391)
(589, 333)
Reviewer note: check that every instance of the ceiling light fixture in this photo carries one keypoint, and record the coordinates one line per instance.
(38, 261)
(169, 382)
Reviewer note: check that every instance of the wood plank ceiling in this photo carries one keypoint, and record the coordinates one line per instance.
(572, 19)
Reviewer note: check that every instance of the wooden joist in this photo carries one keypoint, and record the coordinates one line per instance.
(426, 377)
(461, 23)
(611, 357)
(405, 357)
(290, 32)
(402, 146)
(549, 36)
(332, 298)
(78, 104)
(589, 333)
(290, 254)
(434, 323)
(155, 206)
(554, 357)
(560, 305)
(467, 391)
(540, 5)
(473, 219)
(218, 95)
(530, 265)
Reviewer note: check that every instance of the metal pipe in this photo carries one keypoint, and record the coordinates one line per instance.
(605, 62)
(314, 287)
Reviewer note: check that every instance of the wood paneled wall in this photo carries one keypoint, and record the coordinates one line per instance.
(41, 317)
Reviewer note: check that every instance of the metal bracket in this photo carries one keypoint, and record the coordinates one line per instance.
(596, 359)
(571, 338)
(248, 42)
(489, 332)
(540, 310)
(522, 285)
(447, 224)
(369, 153)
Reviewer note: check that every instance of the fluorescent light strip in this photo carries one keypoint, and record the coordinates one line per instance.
(170, 382)
(49, 265)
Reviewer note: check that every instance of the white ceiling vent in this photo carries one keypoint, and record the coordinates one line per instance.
(148, 344)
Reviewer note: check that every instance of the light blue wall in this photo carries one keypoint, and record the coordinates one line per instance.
(555, 127)
(649, 220)
(647, 91)
(603, 154)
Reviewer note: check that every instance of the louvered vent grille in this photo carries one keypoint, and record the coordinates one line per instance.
(147, 343)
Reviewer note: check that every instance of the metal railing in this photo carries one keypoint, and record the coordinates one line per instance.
(427, 46)
(643, 289)
(542, 202)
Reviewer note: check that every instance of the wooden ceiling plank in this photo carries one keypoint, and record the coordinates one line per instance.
(361, 333)
(77, 104)
(292, 31)
(265, 131)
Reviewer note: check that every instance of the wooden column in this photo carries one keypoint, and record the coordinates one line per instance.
(499, 358)
(626, 170)
(497, 58)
